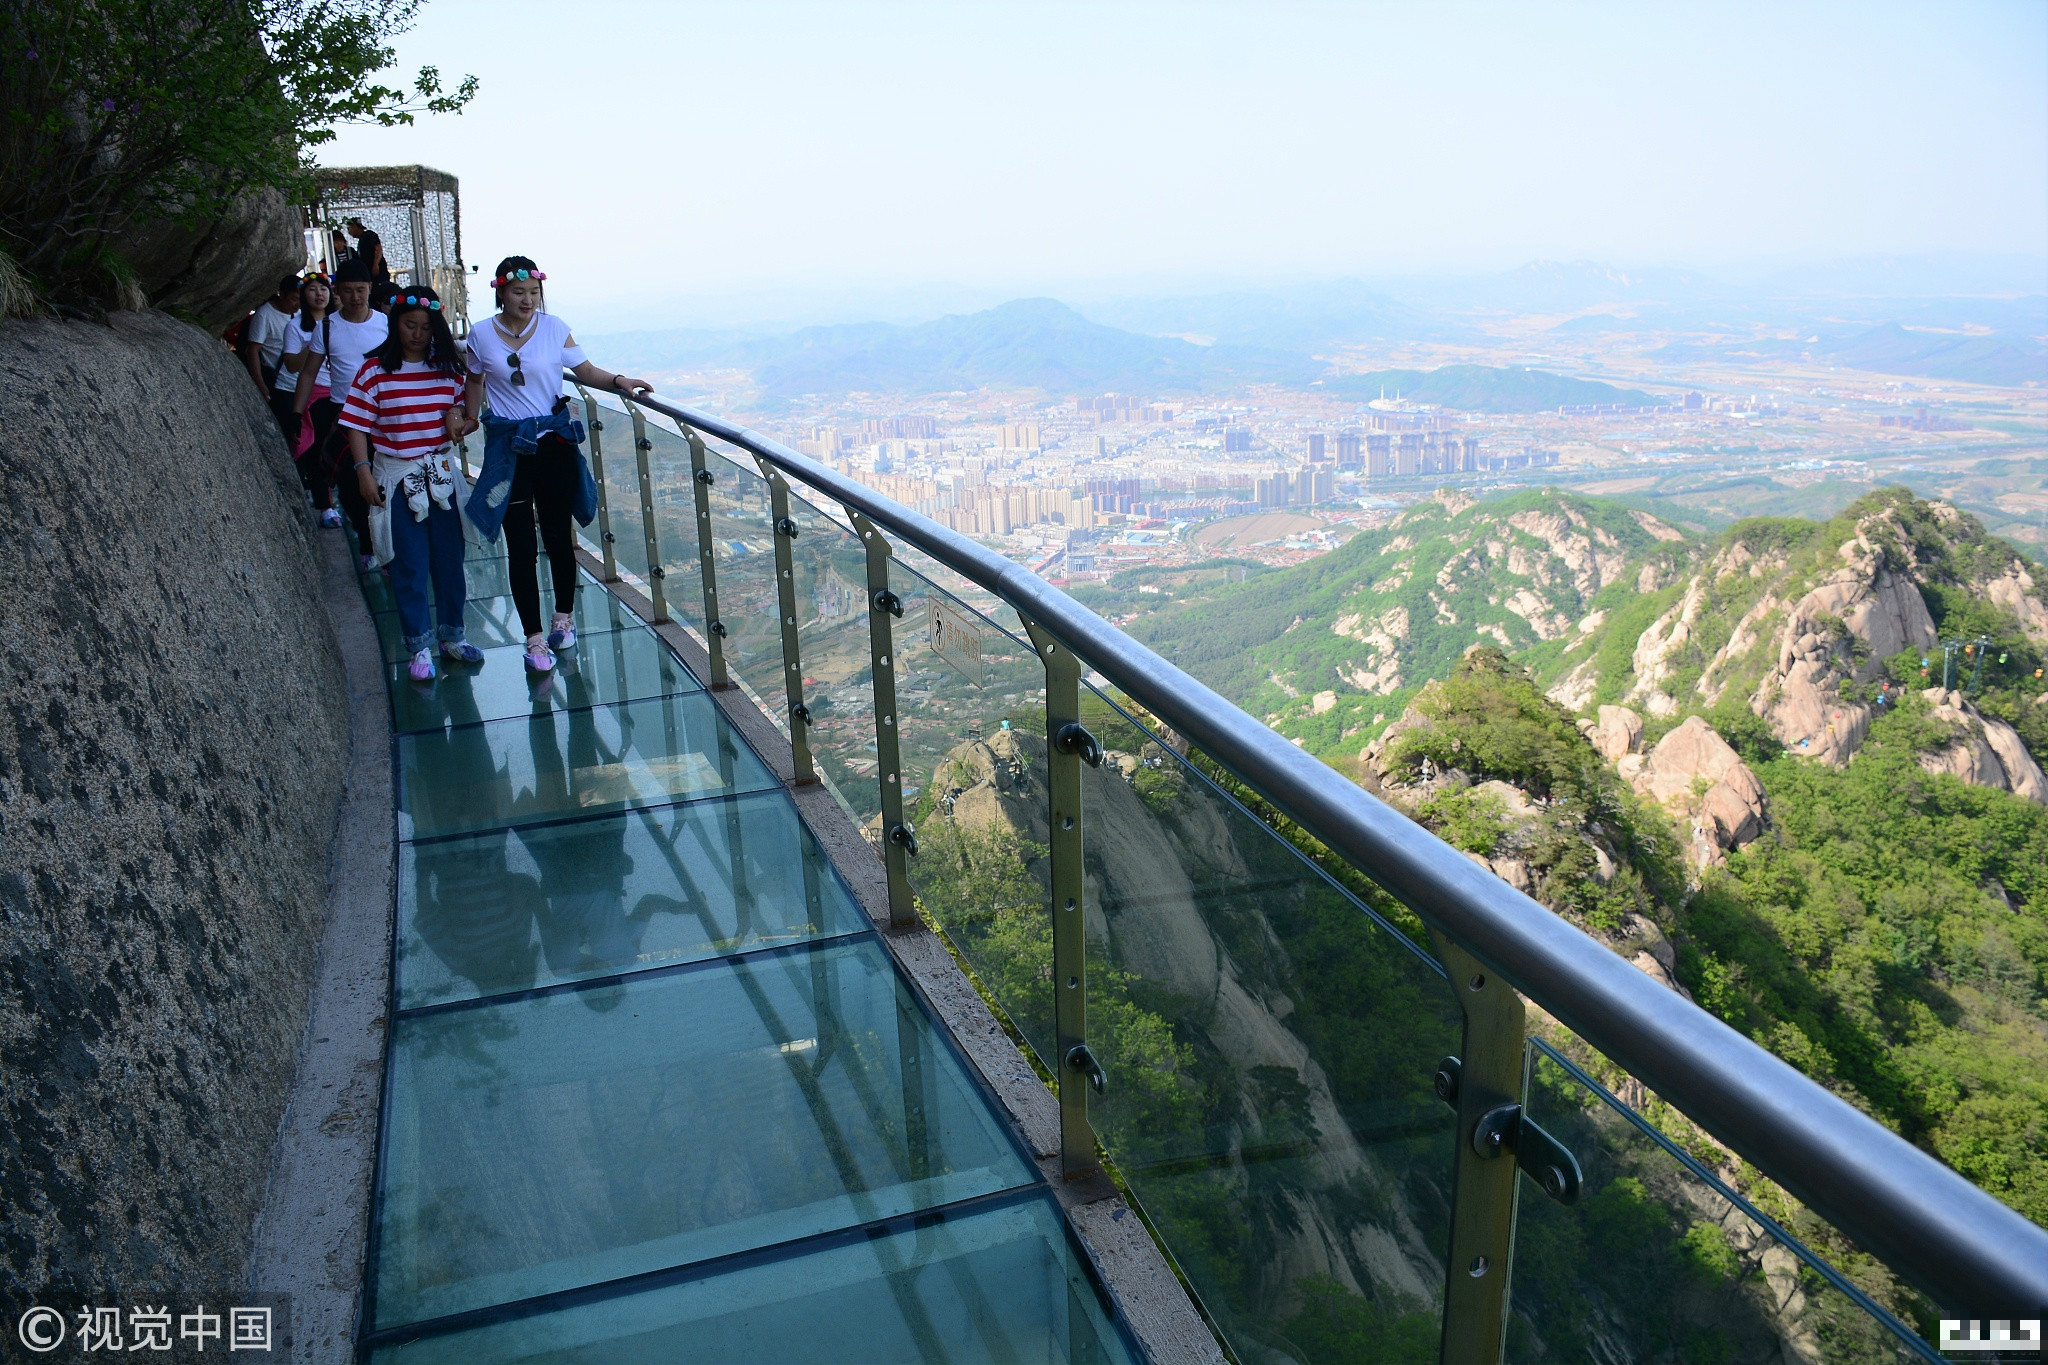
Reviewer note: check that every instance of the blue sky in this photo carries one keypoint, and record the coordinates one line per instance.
(737, 158)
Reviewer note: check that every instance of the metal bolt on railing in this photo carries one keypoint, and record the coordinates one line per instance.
(655, 574)
(792, 645)
(1068, 746)
(701, 480)
(607, 542)
(899, 836)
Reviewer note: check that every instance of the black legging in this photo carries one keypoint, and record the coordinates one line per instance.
(330, 447)
(543, 490)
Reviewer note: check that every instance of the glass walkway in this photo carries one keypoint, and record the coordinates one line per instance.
(655, 1088)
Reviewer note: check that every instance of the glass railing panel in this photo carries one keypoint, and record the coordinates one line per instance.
(493, 577)
(675, 522)
(974, 785)
(622, 496)
(743, 557)
(834, 640)
(493, 621)
(625, 756)
(505, 911)
(580, 1136)
(1271, 1046)
(979, 1286)
(609, 666)
(1659, 1259)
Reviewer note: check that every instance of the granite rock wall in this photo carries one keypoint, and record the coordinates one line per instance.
(172, 749)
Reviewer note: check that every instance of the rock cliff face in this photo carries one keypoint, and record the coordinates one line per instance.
(170, 762)
(1693, 773)
(1983, 751)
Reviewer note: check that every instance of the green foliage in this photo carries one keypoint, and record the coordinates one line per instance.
(1892, 941)
(1337, 1327)
(126, 111)
(1491, 722)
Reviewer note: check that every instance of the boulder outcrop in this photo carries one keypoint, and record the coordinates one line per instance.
(1985, 752)
(1693, 773)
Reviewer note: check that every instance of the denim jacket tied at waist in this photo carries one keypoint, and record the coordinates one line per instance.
(505, 440)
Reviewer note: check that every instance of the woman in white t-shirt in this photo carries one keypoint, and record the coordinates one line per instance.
(533, 471)
(334, 354)
(316, 300)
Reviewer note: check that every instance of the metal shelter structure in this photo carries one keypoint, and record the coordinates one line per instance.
(416, 210)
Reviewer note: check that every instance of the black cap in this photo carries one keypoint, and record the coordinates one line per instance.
(352, 272)
(288, 285)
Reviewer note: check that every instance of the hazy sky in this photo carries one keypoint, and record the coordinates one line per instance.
(657, 155)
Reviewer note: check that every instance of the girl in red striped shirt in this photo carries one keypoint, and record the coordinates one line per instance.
(403, 413)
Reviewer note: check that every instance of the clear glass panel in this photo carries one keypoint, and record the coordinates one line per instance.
(492, 621)
(1653, 1262)
(743, 555)
(579, 1136)
(558, 764)
(511, 910)
(1271, 1048)
(991, 1286)
(974, 783)
(613, 665)
(621, 490)
(675, 522)
(833, 637)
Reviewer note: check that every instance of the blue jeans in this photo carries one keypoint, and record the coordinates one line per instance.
(420, 549)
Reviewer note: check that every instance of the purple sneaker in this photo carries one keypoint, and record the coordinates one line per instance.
(562, 632)
(539, 658)
(461, 652)
(422, 666)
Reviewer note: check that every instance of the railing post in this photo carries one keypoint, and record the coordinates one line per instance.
(785, 530)
(605, 539)
(899, 837)
(1481, 1083)
(655, 572)
(1067, 746)
(701, 479)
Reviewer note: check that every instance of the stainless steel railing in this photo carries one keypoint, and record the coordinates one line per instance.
(1969, 1252)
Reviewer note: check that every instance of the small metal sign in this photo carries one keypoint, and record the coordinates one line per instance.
(956, 638)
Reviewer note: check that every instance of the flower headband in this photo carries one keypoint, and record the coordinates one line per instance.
(314, 277)
(500, 281)
(417, 301)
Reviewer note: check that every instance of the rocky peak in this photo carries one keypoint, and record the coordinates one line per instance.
(1694, 773)
(1982, 751)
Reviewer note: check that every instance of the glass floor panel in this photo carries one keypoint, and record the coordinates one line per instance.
(562, 763)
(610, 666)
(580, 1136)
(506, 911)
(996, 1285)
(493, 621)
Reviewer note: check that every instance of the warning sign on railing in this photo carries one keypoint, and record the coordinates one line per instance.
(956, 638)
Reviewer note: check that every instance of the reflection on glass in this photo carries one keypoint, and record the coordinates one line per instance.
(580, 1136)
(509, 910)
(581, 762)
(1271, 1047)
(991, 1286)
(743, 556)
(493, 577)
(617, 665)
(833, 637)
(492, 621)
(1655, 1263)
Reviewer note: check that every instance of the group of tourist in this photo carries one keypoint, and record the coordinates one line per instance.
(372, 390)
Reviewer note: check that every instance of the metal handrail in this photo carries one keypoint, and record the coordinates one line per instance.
(1953, 1241)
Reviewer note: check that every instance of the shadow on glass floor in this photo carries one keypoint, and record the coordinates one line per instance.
(617, 665)
(559, 764)
(505, 911)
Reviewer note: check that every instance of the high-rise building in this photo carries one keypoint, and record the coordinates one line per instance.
(1349, 451)
(1273, 489)
(1408, 452)
(1236, 440)
(1379, 455)
(1315, 447)
(1020, 436)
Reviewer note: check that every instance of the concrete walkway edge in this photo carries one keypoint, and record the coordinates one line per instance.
(312, 1232)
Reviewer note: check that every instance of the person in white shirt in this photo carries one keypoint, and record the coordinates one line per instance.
(316, 300)
(516, 360)
(333, 355)
(263, 332)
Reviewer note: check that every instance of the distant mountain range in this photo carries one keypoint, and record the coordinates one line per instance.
(1483, 388)
(1888, 348)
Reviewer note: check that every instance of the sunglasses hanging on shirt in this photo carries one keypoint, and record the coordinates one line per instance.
(518, 375)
